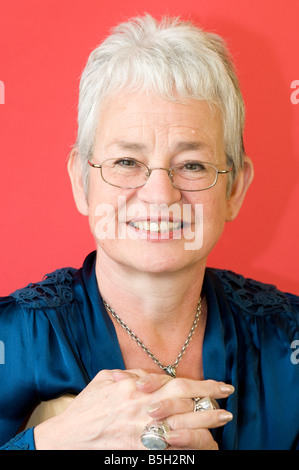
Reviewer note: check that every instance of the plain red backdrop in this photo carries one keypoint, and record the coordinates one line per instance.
(43, 48)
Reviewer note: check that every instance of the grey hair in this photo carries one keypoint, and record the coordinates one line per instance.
(172, 58)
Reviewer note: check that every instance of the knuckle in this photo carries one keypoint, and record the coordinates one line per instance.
(212, 385)
(175, 422)
(165, 406)
(129, 385)
(188, 436)
(187, 405)
(126, 388)
(206, 440)
(180, 387)
(104, 374)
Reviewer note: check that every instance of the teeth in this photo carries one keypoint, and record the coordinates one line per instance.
(154, 227)
(163, 226)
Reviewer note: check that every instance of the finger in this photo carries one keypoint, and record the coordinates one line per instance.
(104, 374)
(102, 379)
(169, 407)
(118, 374)
(152, 382)
(199, 439)
(203, 419)
(180, 414)
(187, 388)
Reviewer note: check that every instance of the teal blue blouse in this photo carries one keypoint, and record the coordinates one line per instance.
(56, 335)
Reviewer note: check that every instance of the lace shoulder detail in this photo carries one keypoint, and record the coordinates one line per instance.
(54, 290)
(252, 296)
(16, 443)
(22, 441)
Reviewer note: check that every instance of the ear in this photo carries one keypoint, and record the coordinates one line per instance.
(241, 184)
(74, 168)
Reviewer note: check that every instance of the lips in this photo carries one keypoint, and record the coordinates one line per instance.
(162, 226)
(158, 228)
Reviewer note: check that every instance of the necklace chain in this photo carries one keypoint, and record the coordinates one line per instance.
(171, 369)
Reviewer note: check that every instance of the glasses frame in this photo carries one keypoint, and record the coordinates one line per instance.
(169, 171)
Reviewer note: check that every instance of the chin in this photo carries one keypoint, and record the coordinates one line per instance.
(149, 257)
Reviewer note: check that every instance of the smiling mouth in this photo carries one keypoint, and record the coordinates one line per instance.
(157, 227)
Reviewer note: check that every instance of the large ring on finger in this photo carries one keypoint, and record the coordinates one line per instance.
(204, 404)
(153, 436)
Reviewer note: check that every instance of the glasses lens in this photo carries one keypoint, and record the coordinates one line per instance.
(194, 176)
(124, 172)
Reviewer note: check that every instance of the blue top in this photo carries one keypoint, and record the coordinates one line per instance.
(56, 335)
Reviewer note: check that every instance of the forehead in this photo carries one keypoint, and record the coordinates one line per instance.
(142, 117)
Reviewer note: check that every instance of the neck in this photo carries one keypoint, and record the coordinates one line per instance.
(159, 298)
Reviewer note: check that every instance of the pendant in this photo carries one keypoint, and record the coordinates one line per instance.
(170, 370)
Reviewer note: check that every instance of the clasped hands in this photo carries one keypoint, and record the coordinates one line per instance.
(112, 411)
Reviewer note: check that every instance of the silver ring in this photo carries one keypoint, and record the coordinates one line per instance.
(204, 404)
(153, 436)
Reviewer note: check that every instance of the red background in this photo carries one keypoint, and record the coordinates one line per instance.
(43, 48)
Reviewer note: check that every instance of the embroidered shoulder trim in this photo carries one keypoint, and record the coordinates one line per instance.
(252, 296)
(16, 443)
(54, 290)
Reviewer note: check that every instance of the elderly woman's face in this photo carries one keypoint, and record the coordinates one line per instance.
(156, 227)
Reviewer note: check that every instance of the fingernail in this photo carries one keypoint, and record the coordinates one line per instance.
(143, 381)
(225, 416)
(225, 388)
(153, 407)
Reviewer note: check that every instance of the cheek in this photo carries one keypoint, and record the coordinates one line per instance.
(102, 222)
(101, 208)
(107, 210)
(213, 211)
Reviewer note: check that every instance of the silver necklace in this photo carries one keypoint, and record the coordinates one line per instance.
(171, 369)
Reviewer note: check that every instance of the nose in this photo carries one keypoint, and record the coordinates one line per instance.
(158, 188)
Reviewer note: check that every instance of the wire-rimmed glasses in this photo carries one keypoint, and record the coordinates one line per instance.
(128, 173)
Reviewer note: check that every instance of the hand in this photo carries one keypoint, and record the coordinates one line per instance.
(111, 412)
(107, 414)
(189, 430)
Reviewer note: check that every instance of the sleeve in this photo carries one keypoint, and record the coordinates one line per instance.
(22, 441)
(266, 322)
(275, 374)
(18, 393)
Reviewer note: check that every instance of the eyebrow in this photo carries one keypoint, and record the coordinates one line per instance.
(189, 146)
(124, 145)
(182, 146)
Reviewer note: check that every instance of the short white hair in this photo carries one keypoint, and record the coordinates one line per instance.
(172, 58)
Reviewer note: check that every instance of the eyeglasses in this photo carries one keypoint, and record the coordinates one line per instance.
(128, 173)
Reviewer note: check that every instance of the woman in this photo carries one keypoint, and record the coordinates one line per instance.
(145, 331)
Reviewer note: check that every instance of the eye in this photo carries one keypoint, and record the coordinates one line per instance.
(126, 162)
(193, 166)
